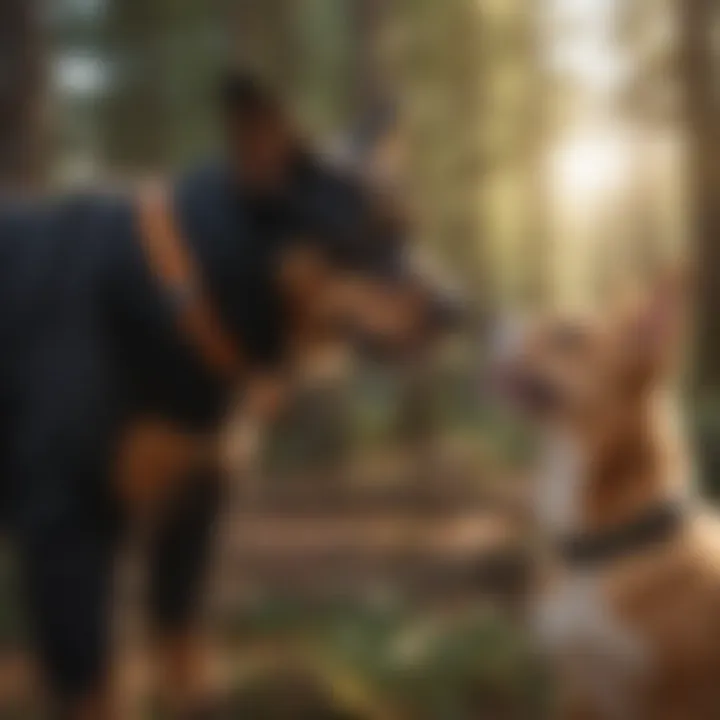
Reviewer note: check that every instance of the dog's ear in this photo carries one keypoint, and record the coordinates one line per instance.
(662, 313)
(652, 331)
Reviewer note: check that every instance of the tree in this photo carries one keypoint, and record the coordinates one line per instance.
(22, 85)
(136, 125)
(699, 20)
(370, 77)
(266, 41)
(165, 57)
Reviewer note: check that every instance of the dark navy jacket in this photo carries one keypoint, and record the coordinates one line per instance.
(87, 335)
(87, 339)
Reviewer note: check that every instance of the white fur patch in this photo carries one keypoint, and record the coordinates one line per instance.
(560, 484)
(507, 338)
(573, 621)
(603, 658)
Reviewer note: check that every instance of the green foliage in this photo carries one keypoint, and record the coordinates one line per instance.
(422, 665)
(706, 436)
(324, 97)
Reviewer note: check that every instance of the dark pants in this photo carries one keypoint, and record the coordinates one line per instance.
(55, 445)
(61, 404)
(179, 555)
(85, 340)
(68, 580)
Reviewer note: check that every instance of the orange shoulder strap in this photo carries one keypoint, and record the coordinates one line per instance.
(171, 260)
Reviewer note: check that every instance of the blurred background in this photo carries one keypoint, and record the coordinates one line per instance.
(551, 153)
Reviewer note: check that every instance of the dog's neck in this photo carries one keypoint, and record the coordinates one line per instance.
(587, 486)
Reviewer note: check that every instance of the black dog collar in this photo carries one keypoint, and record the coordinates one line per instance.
(657, 525)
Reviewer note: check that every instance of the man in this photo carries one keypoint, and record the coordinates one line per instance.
(116, 308)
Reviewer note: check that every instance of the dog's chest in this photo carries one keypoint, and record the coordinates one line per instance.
(576, 624)
(559, 485)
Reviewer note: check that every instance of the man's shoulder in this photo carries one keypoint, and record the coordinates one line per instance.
(208, 207)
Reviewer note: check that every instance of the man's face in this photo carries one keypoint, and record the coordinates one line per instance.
(263, 151)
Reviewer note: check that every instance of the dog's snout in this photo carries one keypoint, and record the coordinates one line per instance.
(515, 379)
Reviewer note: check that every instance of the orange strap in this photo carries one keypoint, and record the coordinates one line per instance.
(170, 259)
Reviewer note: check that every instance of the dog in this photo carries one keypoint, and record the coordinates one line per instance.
(128, 323)
(627, 608)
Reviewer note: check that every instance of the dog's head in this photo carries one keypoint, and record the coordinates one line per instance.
(347, 271)
(341, 266)
(585, 374)
(385, 316)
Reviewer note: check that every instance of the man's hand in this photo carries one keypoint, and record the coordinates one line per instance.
(240, 442)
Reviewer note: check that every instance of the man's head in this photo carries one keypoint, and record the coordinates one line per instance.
(258, 133)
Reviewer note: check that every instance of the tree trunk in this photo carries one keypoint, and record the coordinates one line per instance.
(267, 42)
(700, 72)
(22, 137)
(369, 79)
(136, 127)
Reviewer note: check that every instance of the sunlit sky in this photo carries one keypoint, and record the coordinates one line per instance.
(580, 42)
(78, 71)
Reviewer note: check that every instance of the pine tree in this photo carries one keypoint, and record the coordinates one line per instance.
(699, 20)
(22, 95)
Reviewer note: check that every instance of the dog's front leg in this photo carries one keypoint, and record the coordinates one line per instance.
(179, 555)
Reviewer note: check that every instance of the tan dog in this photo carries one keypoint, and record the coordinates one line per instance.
(630, 611)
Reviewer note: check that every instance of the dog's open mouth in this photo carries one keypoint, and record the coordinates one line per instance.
(530, 393)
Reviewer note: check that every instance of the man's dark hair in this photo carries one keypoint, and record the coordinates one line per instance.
(244, 96)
